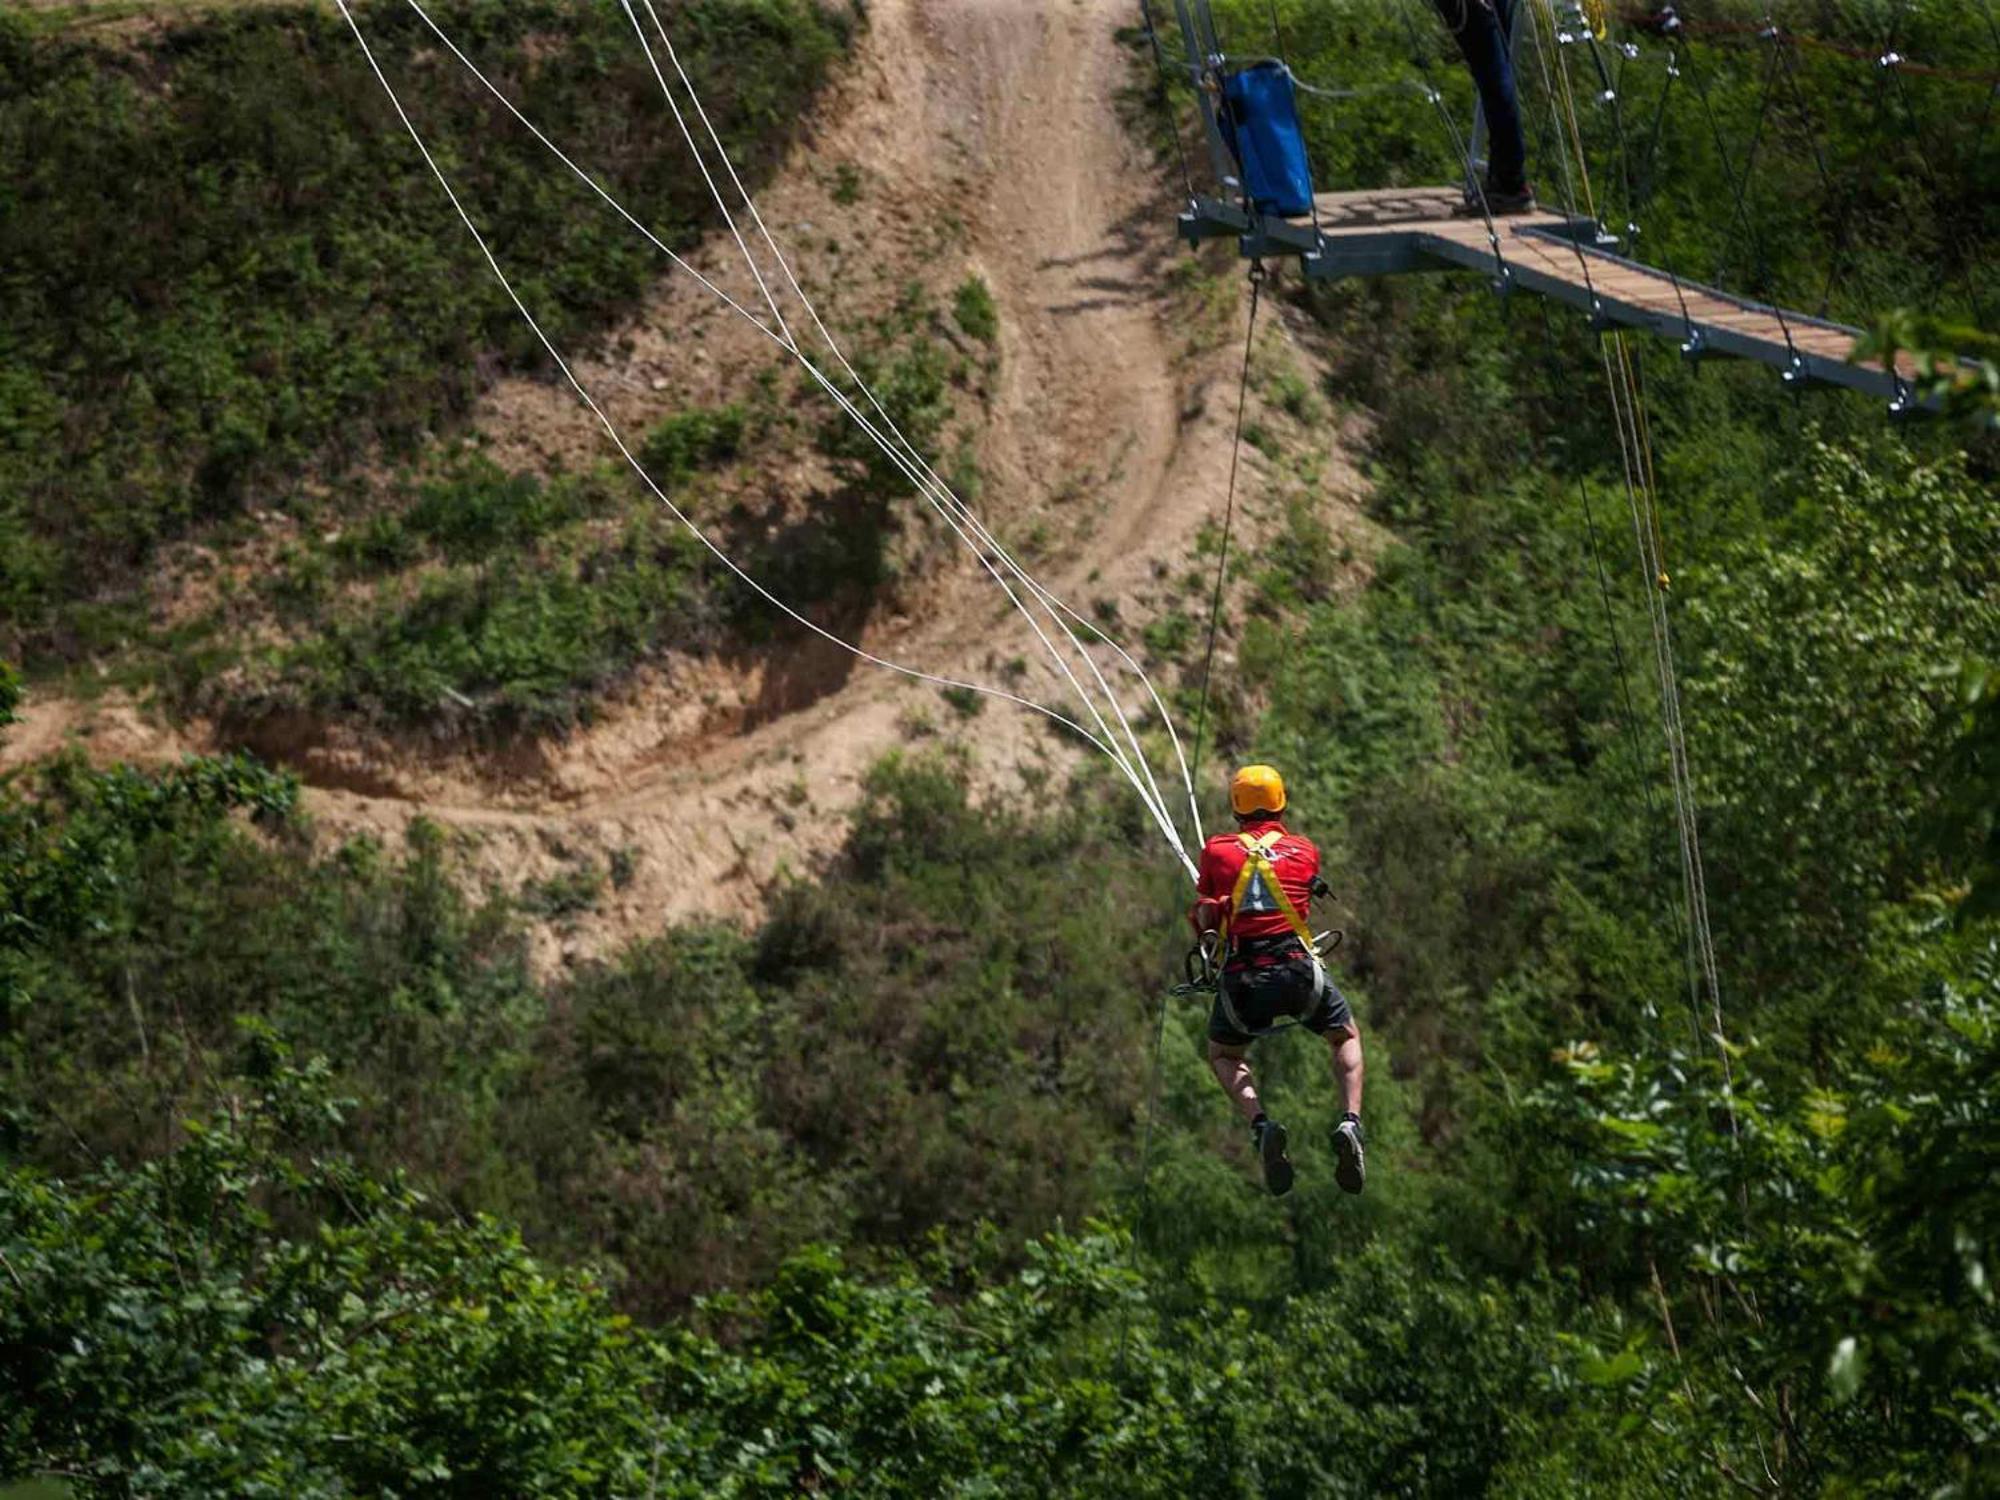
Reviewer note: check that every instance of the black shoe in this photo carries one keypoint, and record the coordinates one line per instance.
(1269, 1137)
(1350, 1168)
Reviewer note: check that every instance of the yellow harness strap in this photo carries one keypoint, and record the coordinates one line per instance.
(1257, 848)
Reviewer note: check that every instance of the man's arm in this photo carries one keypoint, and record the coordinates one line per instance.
(1211, 904)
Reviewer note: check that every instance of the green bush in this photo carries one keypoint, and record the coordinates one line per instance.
(511, 645)
(292, 295)
(685, 1114)
(693, 440)
(235, 1319)
(974, 310)
(252, 1314)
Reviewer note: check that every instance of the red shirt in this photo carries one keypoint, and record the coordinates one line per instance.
(1293, 857)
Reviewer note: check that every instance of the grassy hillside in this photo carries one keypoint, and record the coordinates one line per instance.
(867, 1177)
(227, 280)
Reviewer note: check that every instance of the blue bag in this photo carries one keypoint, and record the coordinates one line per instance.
(1260, 121)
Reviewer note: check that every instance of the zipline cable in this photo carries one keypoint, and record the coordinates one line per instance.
(1475, 189)
(1228, 512)
(1629, 717)
(1158, 50)
(618, 441)
(935, 490)
(841, 400)
(820, 378)
(1753, 31)
(1636, 465)
(1201, 721)
(1683, 926)
(1645, 530)
(1852, 196)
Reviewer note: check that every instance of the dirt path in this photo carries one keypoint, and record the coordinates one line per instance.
(988, 137)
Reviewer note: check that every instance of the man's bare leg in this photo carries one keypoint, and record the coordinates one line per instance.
(1344, 1042)
(1232, 1071)
(1350, 1160)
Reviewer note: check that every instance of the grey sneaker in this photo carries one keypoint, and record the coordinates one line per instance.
(1350, 1168)
(1269, 1138)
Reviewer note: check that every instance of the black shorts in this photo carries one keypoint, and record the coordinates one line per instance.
(1253, 1000)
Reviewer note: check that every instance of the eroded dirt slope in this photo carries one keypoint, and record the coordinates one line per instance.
(985, 137)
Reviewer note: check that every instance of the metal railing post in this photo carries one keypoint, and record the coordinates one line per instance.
(1198, 43)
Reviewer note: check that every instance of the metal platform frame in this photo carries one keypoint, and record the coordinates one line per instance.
(1398, 232)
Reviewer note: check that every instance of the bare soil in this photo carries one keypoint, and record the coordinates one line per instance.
(970, 136)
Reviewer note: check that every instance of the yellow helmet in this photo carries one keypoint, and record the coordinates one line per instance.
(1257, 789)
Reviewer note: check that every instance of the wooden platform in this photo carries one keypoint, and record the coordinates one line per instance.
(1398, 231)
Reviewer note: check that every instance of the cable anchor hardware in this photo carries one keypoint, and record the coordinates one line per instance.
(1198, 968)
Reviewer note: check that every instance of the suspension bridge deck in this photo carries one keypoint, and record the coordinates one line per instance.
(1395, 231)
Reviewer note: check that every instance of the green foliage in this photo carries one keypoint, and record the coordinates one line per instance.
(505, 645)
(1485, 716)
(1842, 1237)
(1955, 366)
(69, 852)
(473, 509)
(291, 294)
(238, 1319)
(1863, 591)
(1972, 813)
(975, 311)
(686, 1114)
(253, 1315)
(693, 440)
(565, 895)
(1571, 1273)
(964, 701)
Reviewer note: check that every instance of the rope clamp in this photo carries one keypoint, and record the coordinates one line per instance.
(1694, 346)
(1258, 275)
(1890, 60)
(1198, 967)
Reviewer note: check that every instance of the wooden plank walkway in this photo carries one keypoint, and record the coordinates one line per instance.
(1394, 231)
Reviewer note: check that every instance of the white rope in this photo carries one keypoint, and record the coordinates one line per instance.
(908, 461)
(612, 432)
(940, 495)
(1693, 877)
(939, 492)
(783, 339)
(1149, 797)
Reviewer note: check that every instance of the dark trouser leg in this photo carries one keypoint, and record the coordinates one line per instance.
(1475, 24)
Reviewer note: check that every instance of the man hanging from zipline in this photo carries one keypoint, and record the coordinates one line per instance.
(1252, 900)
(1481, 29)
